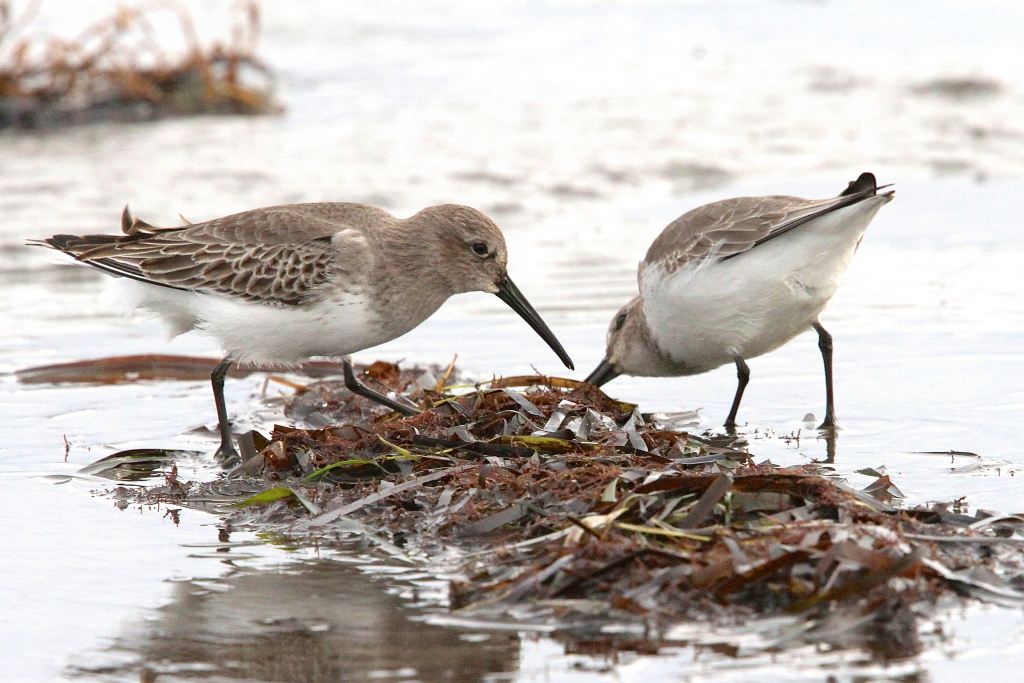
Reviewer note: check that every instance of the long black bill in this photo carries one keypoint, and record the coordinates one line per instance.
(605, 372)
(510, 294)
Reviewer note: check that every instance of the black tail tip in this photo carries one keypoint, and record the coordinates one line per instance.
(58, 242)
(864, 184)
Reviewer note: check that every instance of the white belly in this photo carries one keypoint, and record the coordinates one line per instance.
(706, 314)
(263, 334)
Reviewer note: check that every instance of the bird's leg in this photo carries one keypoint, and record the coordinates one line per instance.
(357, 387)
(825, 344)
(226, 453)
(743, 375)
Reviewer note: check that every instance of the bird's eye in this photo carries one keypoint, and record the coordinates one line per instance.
(480, 248)
(620, 321)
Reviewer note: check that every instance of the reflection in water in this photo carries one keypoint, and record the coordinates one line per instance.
(830, 437)
(315, 621)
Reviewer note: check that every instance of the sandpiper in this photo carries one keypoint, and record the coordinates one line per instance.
(737, 278)
(280, 284)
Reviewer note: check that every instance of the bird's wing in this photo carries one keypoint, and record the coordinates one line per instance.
(278, 255)
(728, 228)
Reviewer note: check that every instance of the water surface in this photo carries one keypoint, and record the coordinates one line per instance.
(583, 129)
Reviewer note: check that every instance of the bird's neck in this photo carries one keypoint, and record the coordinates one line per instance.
(409, 278)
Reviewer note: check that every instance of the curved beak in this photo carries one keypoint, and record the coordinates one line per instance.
(510, 294)
(605, 372)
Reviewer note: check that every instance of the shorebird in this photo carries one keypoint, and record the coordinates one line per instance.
(735, 279)
(280, 284)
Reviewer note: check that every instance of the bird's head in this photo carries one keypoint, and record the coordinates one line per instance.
(472, 252)
(474, 258)
(629, 349)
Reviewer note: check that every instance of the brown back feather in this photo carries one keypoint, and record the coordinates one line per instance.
(280, 254)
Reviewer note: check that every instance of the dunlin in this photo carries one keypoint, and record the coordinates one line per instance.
(281, 284)
(737, 278)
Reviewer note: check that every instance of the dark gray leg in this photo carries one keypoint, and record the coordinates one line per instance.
(825, 344)
(226, 452)
(743, 375)
(357, 387)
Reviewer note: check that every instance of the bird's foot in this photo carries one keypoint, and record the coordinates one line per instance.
(828, 426)
(360, 389)
(227, 456)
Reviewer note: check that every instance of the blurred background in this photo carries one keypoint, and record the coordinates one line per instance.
(582, 128)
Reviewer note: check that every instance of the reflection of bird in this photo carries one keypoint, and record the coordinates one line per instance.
(280, 284)
(737, 278)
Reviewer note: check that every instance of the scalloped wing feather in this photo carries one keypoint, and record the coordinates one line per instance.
(730, 227)
(725, 228)
(280, 255)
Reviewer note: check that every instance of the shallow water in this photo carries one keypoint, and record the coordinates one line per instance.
(583, 130)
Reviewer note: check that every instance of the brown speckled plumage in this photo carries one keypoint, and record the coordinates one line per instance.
(281, 254)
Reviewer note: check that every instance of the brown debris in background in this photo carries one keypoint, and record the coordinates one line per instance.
(117, 70)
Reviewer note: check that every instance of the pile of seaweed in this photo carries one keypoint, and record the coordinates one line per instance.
(556, 504)
(117, 70)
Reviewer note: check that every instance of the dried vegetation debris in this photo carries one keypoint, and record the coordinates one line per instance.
(118, 69)
(566, 506)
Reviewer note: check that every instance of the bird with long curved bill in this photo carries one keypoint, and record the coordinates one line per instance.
(738, 278)
(281, 284)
